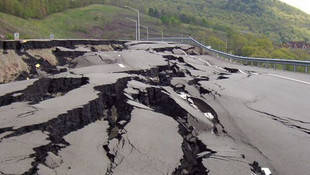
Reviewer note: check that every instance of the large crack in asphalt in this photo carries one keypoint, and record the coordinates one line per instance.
(110, 96)
(189, 51)
(43, 89)
(111, 105)
(256, 168)
(285, 121)
(157, 76)
(191, 145)
(205, 108)
(117, 110)
(156, 98)
(180, 61)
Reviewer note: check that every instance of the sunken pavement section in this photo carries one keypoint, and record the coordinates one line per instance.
(116, 108)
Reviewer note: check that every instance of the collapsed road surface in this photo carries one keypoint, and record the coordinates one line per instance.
(150, 108)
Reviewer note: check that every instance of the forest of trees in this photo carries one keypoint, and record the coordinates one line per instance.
(175, 19)
(252, 45)
(41, 8)
(248, 6)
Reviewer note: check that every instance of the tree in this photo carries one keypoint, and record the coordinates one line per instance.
(248, 51)
(265, 44)
(283, 53)
(236, 43)
(217, 43)
(170, 20)
(260, 54)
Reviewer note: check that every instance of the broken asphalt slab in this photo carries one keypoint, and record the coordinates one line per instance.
(152, 108)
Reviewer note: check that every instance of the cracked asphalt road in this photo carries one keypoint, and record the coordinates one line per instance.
(273, 115)
(153, 109)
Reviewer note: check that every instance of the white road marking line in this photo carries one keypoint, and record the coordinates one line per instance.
(209, 115)
(287, 78)
(195, 107)
(205, 62)
(219, 68)
(121, 65)
(266, 171)
(184, 95)
(184, 52)
(242, 72)
(119, 55)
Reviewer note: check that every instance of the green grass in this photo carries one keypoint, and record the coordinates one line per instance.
(109, 22)
(272, 18)
(95, 21)
(73, 23)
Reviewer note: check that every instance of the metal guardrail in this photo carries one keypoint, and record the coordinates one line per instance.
(265, 62)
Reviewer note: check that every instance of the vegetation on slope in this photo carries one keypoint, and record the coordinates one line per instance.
(269, 17)
(250, 28)
(41, 8)
(95, 21)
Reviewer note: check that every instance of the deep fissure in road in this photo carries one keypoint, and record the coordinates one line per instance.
(111, 105)
(43, 89)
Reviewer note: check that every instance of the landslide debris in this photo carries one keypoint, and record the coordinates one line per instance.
(19, 59)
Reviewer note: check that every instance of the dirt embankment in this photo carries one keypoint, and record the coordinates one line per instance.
(20, 59)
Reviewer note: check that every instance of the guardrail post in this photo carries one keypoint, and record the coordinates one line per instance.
(252, 63)
(294, 68)
(274, 66)
(306, 70)
(266, 65)
(284, 67)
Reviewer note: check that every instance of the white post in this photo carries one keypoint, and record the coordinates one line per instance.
(136, 31)
(147, 31)
(162, 34)
(136, 26)
(52, 36)
(139, 33)
(16, 36)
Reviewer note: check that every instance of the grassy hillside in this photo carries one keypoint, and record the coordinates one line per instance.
(109, 22)
(272, 18)
(40, 8)
(95, 21)
(90, 21)
(269, 17)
